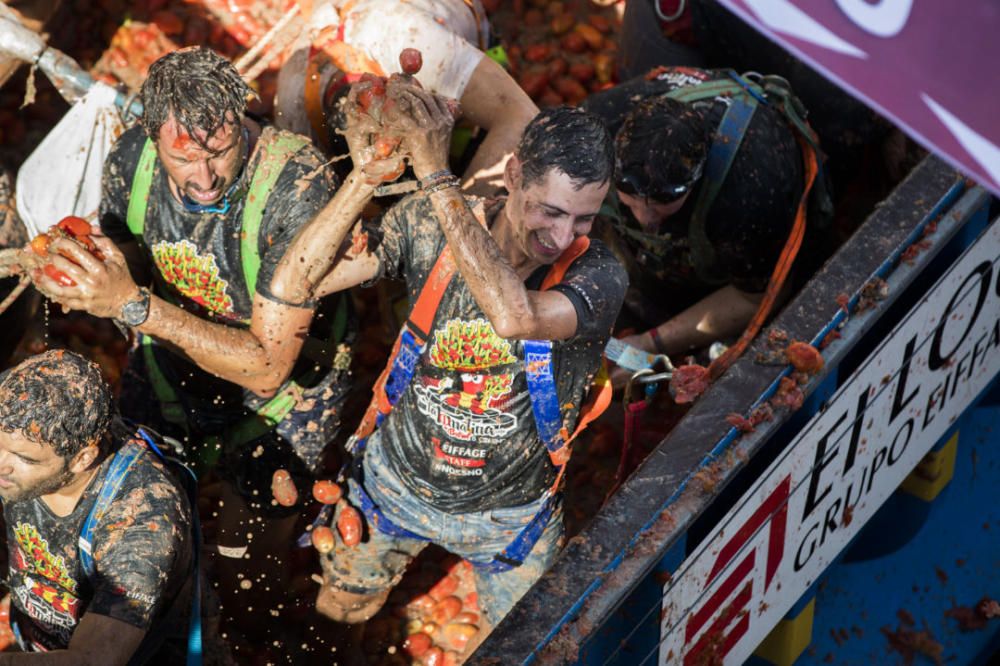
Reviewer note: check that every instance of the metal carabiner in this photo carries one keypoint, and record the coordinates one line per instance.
(648, 378)
(681, 6)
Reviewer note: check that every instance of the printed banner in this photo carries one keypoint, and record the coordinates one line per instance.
(929, 66)
(802, 512)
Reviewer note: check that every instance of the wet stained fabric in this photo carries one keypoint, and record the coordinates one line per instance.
(198, 257)
(462, 436)
(142, 554)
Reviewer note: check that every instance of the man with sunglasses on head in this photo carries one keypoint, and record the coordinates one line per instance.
(700, 251)
(199, 204)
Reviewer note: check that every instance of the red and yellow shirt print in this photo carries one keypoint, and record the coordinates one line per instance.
(468, 398)
(44, 588)
(195, 276)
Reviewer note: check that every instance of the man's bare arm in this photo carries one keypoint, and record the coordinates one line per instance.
(259, 358)
(722, 314)
(319, 262)
(98, 640)
(493, 101)
(514, 311)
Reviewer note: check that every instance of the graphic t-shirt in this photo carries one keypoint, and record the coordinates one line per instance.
(462, 436)
(142, 557)
(197, 257)
(749, 220)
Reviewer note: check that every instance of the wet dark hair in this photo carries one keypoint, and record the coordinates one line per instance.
(661, 148)
(57, 398)
(199, 87)
(569, 139)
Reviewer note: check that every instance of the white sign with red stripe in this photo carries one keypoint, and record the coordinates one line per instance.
(840, 468)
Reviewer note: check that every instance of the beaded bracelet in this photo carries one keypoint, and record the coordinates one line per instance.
(432, 179)
(443, 184)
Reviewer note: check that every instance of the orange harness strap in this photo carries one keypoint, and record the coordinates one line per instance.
(421, 320)
(314, 96)
(781, 269)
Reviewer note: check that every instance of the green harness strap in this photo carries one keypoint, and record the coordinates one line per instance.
(273, 158)
(275, 154)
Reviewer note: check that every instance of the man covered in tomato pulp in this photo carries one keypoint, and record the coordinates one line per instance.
(511, 305)
(199, 205)
(119, 592)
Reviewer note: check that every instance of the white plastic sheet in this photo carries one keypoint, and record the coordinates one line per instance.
(63, 175)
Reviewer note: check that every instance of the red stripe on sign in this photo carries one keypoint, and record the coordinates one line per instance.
(775, 504)
(719, 643)
(702, 616)
(779, 521)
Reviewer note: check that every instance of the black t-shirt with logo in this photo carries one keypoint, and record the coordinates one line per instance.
(198, 258)
(462, 436)
(142, 550)
(749, 220)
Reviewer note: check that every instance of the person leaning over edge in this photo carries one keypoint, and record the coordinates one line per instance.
(460, 460)
(702, 224)
(451, 35)
(200, 203)
(62, 448)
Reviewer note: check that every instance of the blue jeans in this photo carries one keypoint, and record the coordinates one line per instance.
(378, 562)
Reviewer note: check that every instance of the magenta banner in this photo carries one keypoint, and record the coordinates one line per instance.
(931, 66)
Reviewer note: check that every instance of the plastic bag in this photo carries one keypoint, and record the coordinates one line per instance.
(63, 175)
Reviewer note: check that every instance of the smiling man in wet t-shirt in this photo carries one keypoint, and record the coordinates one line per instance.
(61, 450)
(467, 451)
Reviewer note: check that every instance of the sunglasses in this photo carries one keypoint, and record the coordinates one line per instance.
(631, 184)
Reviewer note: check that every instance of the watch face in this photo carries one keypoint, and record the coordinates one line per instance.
(134, 313)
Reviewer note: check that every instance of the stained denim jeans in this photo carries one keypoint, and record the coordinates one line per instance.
(378, 562)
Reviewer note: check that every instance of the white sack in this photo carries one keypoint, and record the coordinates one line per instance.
(63, 175)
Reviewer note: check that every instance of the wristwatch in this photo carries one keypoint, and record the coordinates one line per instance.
(135, 313)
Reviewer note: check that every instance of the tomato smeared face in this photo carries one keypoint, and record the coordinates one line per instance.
(550, 213)
(29, 469)
(203, 175)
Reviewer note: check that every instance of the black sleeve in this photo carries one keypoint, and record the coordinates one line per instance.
(303, 188)
(595, 284)
(143, 549)
(116, 184)
(391, 236)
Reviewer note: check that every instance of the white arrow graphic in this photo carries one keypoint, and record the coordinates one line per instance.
(885, 18)
(982, 149)
(783, 16)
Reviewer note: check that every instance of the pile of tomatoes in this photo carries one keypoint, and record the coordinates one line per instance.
(559, 51)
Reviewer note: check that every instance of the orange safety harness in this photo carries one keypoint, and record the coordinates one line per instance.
(406, 353)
